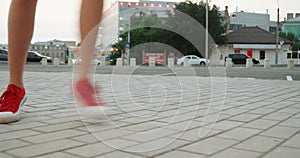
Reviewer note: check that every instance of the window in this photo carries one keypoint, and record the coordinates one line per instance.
(295, 55)
(272, 29)
(235, 26)
(262, 54)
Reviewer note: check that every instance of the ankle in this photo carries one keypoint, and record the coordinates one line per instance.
(19, 85)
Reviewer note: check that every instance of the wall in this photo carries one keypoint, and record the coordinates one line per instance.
(269, 53)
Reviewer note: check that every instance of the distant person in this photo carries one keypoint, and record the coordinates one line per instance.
(20, 31)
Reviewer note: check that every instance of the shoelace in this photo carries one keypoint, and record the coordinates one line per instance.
(6, 101)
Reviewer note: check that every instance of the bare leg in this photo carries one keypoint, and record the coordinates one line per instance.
(20, 30)
(90, 16)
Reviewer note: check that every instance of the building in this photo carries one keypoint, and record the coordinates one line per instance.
(116, 17)
(54, 48)
(241, 19)
(257, 43)
(292, 24)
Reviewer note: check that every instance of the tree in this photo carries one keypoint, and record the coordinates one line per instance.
(150, 28)
(293, 38)
(216, 23)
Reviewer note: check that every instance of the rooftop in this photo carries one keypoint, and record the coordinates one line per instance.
(253, 35)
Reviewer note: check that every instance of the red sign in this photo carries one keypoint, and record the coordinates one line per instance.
(159, 58)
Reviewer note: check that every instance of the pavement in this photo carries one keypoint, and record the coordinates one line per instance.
(162, 116)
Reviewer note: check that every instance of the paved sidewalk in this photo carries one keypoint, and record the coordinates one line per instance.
(157, 116)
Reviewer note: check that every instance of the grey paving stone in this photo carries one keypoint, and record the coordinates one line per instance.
(45, 148)
(184, 126)
(118, 143)
(262, 111)
(87, 138)
(57, 155)
(180, 154)
(259, 144)
(195, 134)
(144, 126)
(293, 142)
(245, 117)
(58, 127)
(156, 147)
(234, 111)
(239, 133)
(225, 125)
(246, 126)
(4, 155)
(260, 124)
(17, 134)
(11, 144)
(281, 152)
(149, 135)
(112, 133)
(280, 132)
(62, 119)
(291, 122)
(90, 150)
(290, 110)
(47, 137)
(278, 116)
(209, 146)
(235, 153)
(119, 154)
(20, 126)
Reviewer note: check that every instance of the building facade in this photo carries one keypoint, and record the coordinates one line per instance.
(54, 48)
(256, 43)
(241, 19)
(292, 24)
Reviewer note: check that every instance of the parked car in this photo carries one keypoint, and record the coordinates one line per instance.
(36, 57)
(3, 55)
(241, 59)
(193, 59)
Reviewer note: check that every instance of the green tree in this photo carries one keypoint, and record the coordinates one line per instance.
(216, 23)
(148, 28)
(293, 38)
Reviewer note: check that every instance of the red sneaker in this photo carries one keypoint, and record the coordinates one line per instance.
(86, 93)
(10, 103)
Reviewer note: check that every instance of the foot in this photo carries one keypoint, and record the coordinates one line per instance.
(10, 103)
(87, 95)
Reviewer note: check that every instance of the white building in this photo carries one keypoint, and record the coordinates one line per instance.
(240, 19)
(257, 43)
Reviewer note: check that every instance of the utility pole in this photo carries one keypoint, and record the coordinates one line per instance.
(277, 37)
(206, 32)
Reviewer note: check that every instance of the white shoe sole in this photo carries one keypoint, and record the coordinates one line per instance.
(97, 112)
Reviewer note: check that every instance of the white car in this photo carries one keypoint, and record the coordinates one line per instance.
(193, 60)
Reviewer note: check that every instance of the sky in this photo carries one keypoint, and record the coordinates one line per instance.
(58, 19)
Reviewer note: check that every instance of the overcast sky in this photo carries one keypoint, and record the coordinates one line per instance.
(59, 18)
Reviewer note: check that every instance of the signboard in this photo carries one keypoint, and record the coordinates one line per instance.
(159, 58)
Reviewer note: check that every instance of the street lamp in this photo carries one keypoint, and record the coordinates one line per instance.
(206, 32)
(128, 42)
(277, 34)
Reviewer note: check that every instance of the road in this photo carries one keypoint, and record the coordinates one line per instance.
(273, 73)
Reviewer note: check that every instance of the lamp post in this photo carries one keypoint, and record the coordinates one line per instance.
(128, 42)
(277, 37)
(206, 32)
(277, 34)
